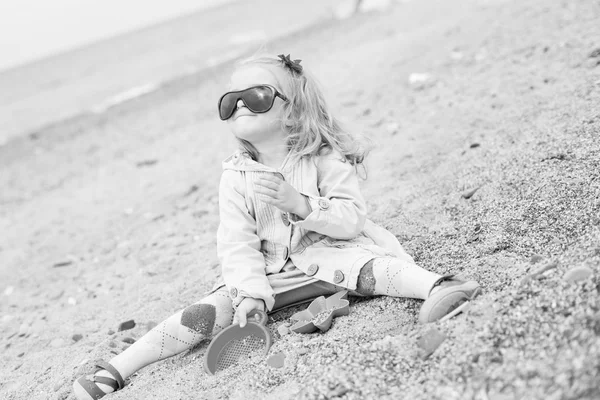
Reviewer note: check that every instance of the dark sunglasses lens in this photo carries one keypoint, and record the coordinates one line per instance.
(259, 99)
(227, 105)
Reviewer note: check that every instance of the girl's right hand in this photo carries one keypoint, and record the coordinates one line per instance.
(247, 305)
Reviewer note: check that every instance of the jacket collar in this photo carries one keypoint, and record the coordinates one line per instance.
(241, 161)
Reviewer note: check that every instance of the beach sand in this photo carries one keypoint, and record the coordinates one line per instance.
(112, 216)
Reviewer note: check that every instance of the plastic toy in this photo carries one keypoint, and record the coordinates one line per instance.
(320, 313)
(234, 342)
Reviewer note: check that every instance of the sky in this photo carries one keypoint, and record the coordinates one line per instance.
(33, 29)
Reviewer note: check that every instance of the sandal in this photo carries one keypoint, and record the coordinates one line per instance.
(451, 298)
(85, 388)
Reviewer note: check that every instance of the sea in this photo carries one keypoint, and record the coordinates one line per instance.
(100, 75)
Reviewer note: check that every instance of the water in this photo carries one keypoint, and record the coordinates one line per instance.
(99, 76)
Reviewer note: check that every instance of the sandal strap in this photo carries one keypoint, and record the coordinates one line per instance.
(443, 278)
(113, 371)
(106, 381)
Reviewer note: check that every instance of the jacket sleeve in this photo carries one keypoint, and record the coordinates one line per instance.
(339, 211)
(238, 246)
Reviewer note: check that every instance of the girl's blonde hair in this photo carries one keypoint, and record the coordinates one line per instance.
(311, 128)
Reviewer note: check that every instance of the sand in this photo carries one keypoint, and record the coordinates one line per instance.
(112, 217)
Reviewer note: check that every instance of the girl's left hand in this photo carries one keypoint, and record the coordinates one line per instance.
(281, 194)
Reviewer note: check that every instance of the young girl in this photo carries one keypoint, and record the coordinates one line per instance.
(293, 223)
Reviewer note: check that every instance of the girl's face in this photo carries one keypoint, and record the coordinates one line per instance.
(244, 124)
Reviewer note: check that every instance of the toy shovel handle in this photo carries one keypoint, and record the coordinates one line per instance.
(259, 316)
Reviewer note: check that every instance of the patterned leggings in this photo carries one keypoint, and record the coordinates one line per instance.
(185, 329)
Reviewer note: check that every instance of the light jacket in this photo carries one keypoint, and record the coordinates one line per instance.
(331, 244)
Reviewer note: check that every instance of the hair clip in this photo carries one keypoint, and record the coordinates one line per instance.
(293, 65)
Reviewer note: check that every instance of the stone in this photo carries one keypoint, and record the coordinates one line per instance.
(77, 337)
(467, 194)
(283, 330)
(535, 258)
(128, 340)
(124, 326)
(276, 360)
(58, 342)
(577, 274)
(150, 325)
(429, 342)
(302, 351)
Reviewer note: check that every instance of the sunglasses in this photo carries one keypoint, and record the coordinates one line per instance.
(258, 99)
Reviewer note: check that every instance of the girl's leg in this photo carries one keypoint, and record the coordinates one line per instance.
(445, 296)
(396, 277)
(182, 331)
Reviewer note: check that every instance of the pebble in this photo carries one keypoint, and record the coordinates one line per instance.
(58, 385)
(58, 342)
(110, 332)
(123, 326)
(128, 340)
(429, 342)
(62, 263)
(72, 301)
(112, 344)
(420, 80)
(535, 258)
(276, 360)
(23, 329)
(576, 274)
(467, 194)
(302, 351)
(77, 337)
(283, 330)
(150, 325)
(9, 290)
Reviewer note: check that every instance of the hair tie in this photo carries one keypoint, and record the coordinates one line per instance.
(293, 65)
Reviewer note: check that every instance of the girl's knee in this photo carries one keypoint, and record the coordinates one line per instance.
(365, 284)
(199, 318)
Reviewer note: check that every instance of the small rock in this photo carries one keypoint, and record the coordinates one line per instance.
(457, 55)
(467, 194)
(146, 163)
(276, 360)
(124, 326)
(58, 385)
(110, 332)
(576, 274)
(128, 340)
(302, 351)
(150, 325)
(535, 258)
(595, 53)
(77, 337)
(62, 263)
(9, 290)
(392, 128)
(283, 330)
(112, 344)
(420, 81)
(429, 342)
(72, 301)
(23, 329)
(474, 145)
(21, 354)
(58, 342)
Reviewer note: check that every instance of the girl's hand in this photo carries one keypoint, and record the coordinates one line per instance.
(247, 305)
(282, 195)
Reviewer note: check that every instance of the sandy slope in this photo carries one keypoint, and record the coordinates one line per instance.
(127, 200)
